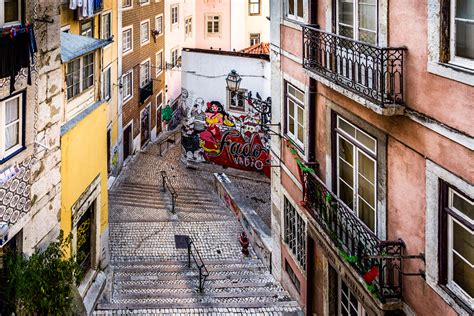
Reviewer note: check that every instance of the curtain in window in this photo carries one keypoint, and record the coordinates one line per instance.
(12, 123)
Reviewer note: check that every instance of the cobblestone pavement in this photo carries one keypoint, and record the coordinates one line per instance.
(150, 276)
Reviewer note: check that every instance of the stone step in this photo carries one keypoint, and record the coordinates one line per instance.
(207, 295)
(179, 207)
(227, 305)
(210, 285)
(209, 263)
(206, 203)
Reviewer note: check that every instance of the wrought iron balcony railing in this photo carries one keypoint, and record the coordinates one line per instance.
(375, 73)
(146, 91)
(379, 262)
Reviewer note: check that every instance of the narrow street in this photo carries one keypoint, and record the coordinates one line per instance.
(149, 275)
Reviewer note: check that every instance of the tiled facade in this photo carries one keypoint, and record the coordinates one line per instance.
(385, 163)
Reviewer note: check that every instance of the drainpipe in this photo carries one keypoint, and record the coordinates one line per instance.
(119, 82)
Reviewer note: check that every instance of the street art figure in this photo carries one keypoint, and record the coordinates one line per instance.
(211, 134)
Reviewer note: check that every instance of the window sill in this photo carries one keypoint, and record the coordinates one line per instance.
(294, 24)
(453, 72)
(460, 302)
(13, 154)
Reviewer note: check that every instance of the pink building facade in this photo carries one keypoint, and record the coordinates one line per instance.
(373, 200)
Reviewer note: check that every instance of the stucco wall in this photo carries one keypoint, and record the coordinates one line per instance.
(221, 8)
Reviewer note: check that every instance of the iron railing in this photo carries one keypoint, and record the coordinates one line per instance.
(168, 141)
(196, 256)
(375, 73)
(166, 184)
(146, 91)
(357, 244)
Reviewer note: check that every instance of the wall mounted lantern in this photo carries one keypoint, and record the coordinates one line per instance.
(233, 81)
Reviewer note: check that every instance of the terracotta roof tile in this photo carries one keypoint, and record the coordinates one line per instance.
(261, 48)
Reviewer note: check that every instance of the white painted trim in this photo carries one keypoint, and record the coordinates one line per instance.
(143, 43)
(292, 177)
(290, 56)
(125, 100)
(148, 60)
(435, 172)
(451, 72)
(126, 28)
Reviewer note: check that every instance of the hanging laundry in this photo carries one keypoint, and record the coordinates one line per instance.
(17, 48)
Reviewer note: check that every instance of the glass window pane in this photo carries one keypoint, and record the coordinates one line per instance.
(11, 11)
(12, 110)
(463, 242)
(463, 205)
(346, 151)
(366, 167)
(368, 16)
(366, 140)
(291, 7)
(368, 37)
(346, 31)
(346, 12)
(366, 190)
(346, 172)
(12, 136)
(300, 115)
(300, 133)
(465, 9)
(299, 11)
(463, 275)
(291, 108)
(464, 42)
(366, 214)
(346, 127)
(346, 194)
(291, 125)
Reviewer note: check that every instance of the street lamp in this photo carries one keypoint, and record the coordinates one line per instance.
(233, 81)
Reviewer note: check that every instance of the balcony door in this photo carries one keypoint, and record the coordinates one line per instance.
(358, 20)
(356, 171)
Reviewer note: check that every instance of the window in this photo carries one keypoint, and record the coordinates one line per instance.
(145, 77)
(294, 9)
(106, 83)
(145, 32)
(295, 233)
(174, 14)
(79, 75)
(127, 39)
(357, 19)
(357, 171)
(457, 237)
(144, 2)
(87, 28)
(291, 274)
(11, 118)
(254, 39)
(159, 62)
(462, 32)
(127, 4)
(213, 24)
(174, 57)
(347, 301)
(127, 86)
(10, 12)
(159, 24)
(188, 26)
(105, 28)
(254, 7)
(236, 100)
(159, 99)
(295, 114)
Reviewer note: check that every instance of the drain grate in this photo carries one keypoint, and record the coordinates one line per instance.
(181, 241)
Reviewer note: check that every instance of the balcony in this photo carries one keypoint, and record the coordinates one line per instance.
(378, 262)
(373, 73)
(146, 91)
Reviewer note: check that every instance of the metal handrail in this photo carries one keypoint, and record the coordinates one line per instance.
(166, 183)
(167, 140)
(203, 272)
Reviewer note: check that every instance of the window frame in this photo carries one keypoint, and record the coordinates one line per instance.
(126, 98)
(212, 21)
(356, 21)
(292, 228)
(457, 60)
(128, 28)
(159, 69)
(360, 308)
(174, 51)
(129, 6)
(253, 36)
(91, 29)
(160, 17)
(292, 135)
(3, 24)
(229, 98)
(149, 79)
(109, 31)
(82, 89)
(188, 26)
(16, 149)
(358, 147)
(294, 17)
(448, 215)
(142, 42)
(252, 3)
(172, 17)
(107, 72)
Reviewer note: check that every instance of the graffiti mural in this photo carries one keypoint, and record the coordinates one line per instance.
(211, 134)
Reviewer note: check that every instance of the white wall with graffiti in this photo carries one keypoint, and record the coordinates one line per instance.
(221, 126)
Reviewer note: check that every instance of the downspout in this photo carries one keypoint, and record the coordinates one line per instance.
(119, 85)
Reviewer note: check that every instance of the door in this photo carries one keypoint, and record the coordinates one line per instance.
(84, 239)
(158, 121)
(108, 150)
(127, 141)
(145, 125)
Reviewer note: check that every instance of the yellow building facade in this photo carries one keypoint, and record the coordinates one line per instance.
(89, 131)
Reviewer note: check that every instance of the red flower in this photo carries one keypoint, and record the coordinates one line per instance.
(370, 275)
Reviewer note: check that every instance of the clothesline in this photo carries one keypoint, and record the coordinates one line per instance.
(14, 30)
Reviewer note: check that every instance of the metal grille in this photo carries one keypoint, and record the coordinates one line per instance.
(355, 239)
(295, 233)
(372, 72)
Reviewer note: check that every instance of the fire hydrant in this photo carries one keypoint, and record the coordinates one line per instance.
(244, 242)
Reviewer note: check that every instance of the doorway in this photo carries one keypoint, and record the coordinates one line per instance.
(145, 125)
(127, 141)
(84, 239)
